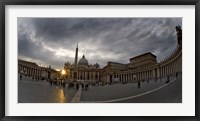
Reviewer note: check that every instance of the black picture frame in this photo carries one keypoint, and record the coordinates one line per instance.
(99, 2)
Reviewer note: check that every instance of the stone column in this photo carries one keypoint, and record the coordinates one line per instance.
(72, 74)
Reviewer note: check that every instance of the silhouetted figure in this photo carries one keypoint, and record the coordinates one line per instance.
(63, 84)
(138, 84)
(167, 79)
(77, 86)
(20, 77)
(82, 85)
(86, 86)
(176, 74)
(71, 85)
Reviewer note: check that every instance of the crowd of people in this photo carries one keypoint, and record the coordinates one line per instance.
(86, 84)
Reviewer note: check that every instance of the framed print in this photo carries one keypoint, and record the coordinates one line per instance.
(133, 59)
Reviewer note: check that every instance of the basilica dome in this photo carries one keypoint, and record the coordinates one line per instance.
(83, 61)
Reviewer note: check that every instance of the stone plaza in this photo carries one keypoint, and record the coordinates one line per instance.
(143, 80)
(152, 91)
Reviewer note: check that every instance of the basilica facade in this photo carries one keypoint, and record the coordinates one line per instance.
(85, 71)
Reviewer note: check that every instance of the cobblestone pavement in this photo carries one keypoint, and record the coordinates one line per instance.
(118, 91)
(171, 93)
(30, 91)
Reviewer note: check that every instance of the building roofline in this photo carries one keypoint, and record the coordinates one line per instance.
(116, 63)
(27, 61)
(143, 55)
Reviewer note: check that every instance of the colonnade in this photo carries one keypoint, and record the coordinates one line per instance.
(171, 66)
(134, 76)
(29, 70)
(87, 75)
(142, 75)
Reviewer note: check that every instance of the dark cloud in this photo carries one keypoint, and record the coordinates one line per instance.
(52, 41)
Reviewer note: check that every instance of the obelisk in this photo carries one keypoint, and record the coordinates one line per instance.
(75, 65)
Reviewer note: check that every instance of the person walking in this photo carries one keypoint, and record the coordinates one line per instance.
(167, 79)
(20, 77)
(139, 84)
(176, 74)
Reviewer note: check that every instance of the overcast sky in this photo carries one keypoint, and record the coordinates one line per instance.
(52, 41)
